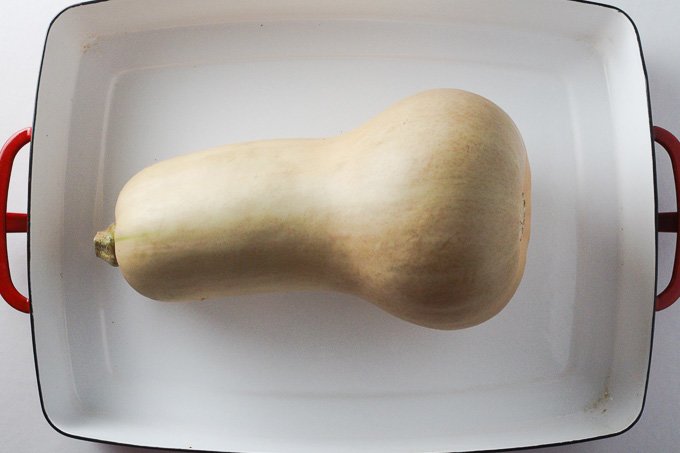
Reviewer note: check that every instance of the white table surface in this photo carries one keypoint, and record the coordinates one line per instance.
(23, 25)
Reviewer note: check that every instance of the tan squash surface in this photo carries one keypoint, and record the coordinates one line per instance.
(424, 211)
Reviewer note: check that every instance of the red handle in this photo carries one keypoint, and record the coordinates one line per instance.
(11, 222)
(669, 222)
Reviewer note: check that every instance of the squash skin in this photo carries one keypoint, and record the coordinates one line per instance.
(424, 210)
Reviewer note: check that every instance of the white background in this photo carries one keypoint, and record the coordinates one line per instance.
(23, 25)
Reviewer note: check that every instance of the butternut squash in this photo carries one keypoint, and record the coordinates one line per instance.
(424, 211)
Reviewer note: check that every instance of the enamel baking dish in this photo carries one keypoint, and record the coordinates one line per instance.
(126, 83)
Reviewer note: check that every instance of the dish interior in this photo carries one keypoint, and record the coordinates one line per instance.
(125, 84)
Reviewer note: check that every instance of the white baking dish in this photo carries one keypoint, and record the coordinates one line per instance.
(126, 83)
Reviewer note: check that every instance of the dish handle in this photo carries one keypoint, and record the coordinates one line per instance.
(11, 222)
(669, 222)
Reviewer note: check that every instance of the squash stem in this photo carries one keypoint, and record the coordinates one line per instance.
(105, 245)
